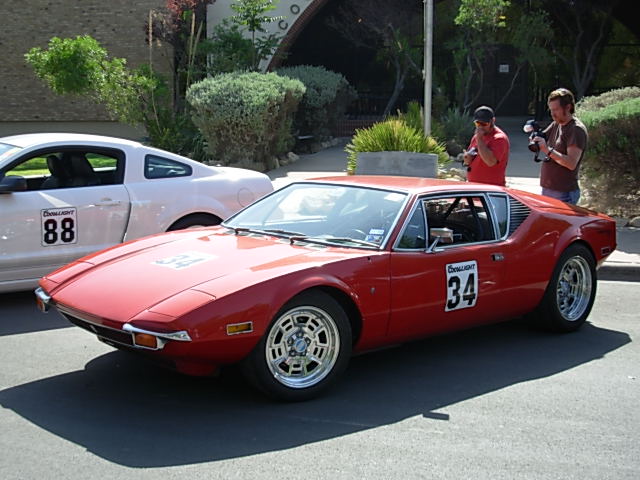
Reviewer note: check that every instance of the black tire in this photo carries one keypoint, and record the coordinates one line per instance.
(194, 220)
(310, 327)
(571, 291)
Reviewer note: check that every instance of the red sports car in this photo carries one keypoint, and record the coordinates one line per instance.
(295, 283)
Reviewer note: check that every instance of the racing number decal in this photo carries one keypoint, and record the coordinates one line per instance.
(59, 226)
(462, 285)
(184, 260)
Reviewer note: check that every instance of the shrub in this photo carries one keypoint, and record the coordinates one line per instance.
(326, 99)
(228, 50)
(457, 127)
(414, 117)
(392, 135)
(609, 173)
(589, 104)
(246, 117)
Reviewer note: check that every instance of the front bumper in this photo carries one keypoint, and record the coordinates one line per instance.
(127, 336)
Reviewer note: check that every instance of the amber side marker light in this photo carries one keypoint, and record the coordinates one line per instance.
(145, 340)
(235, 328)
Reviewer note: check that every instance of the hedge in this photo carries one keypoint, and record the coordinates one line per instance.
(610, 171)
(325, 101)
(246, 117)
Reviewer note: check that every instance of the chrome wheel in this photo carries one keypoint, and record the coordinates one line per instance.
(302, 347)
(574, 288)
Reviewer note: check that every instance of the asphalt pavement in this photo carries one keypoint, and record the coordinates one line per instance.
(522, 174)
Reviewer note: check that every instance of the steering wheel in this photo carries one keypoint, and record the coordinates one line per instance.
(355, 233)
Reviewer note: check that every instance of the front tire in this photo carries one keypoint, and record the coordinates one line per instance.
(571, 292)
(194, 221)
(305, 349)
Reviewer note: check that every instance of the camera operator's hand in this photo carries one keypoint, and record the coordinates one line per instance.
(542, 143)
(479, 133)
(467, 158)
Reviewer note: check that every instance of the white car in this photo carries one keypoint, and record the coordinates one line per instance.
(65, 195)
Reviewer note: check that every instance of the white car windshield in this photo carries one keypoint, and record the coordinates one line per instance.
(330, 214)
(6, 150)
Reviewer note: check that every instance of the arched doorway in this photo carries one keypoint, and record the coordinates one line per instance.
(317, 42)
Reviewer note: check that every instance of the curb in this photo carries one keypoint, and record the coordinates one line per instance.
(621, 272)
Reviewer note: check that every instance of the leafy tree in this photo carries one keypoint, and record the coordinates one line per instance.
(181, 24)
(393, 29)
(581, 30)
(229, 50)
(530, 35)
(81, 66)
(479, 22)
(252, 14)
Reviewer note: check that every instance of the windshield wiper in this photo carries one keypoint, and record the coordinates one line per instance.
(338, 240)
(283, 232)
(269, 231)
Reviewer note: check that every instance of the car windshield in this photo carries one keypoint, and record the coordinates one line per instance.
(6, 150)
(344, 215)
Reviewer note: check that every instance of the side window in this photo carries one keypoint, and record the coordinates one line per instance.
(466, 216)
(69, 168)
(158, 167)
(413, 236)
(501, 211)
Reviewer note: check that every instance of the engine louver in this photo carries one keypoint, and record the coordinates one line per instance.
(518, 213)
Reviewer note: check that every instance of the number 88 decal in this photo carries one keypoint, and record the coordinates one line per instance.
(59, 226)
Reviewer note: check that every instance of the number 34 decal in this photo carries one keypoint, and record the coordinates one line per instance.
(462, 285)
(59, 226)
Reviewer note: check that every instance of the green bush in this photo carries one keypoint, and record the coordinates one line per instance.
(395, 136)
(227, 49)
(609, 174)
(457, 127)
(589, 104)
(327, 97)
(246, 117)
(413, 117)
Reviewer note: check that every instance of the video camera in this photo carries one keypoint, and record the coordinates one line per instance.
(473, 153)
(534, 130)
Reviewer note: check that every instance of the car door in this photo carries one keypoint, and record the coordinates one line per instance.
(439, 286)
(60, 218)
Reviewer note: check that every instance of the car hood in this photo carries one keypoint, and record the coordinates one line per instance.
(198, 266)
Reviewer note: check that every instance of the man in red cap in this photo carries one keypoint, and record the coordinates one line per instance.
(488, 153)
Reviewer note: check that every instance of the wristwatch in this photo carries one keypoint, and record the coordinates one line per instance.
(551, 150)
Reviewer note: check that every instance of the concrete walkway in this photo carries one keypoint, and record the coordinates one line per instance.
(522, 174)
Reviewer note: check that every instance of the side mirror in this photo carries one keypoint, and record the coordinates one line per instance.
(440, 235)
(13, 183)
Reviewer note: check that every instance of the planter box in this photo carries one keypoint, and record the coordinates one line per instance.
(407, 164)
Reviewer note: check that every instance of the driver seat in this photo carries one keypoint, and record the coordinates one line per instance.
(60, 174)
(83, 174)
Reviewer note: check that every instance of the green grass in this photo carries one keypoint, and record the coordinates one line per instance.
(37, 166)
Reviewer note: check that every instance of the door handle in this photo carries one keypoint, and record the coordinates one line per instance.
(497, 257)
(107, 202)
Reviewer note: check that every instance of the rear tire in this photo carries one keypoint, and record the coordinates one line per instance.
(571, 291)
(303, 351)
(193, 221)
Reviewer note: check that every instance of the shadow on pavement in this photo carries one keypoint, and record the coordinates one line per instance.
(20, 315)
(134, 414)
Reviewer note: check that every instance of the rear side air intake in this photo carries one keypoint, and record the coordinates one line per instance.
(518, 213)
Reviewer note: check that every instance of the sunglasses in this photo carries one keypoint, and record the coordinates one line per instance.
(478, 123)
